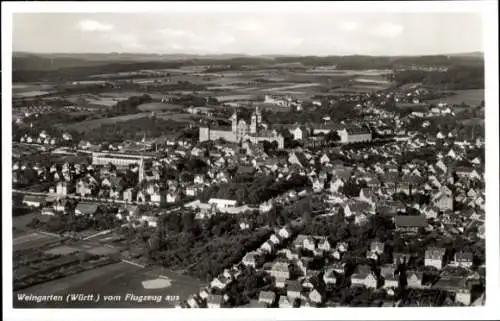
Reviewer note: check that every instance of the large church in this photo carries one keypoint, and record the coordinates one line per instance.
(253, 130)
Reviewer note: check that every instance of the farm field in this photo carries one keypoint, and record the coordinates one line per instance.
(228, 98)
(156, 106)
(33, 240)
(115, 279)
(26, 90)
(471, 97)
(89, 125)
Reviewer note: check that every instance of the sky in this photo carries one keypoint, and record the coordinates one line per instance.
(289, 33)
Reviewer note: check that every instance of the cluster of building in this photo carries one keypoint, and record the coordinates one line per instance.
(284, 102)
(44, 138)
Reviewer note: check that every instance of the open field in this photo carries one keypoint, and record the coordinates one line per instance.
(22, 150)
(473, 121)
(296, 86)
(114, 279)
(228, 98)
(26, 90)
(33, 240)
(61, 250)
(88, 125)
(155, 106)
(471, 97)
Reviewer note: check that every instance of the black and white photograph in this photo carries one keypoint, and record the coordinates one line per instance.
(250, 156)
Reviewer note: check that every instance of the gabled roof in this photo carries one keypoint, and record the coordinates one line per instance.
(410, 221)
(87, 208)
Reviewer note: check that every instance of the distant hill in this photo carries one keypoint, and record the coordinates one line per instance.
(30, 62)
(64, 66)
(475, 54)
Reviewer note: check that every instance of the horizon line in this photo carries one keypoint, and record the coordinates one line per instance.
(245, 54)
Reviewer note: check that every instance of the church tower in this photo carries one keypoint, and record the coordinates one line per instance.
(253, 124)
(259, 116)
(141, 170)
(234, 123)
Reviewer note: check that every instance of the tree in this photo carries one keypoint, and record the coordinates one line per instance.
(332, 136)
(188, 221)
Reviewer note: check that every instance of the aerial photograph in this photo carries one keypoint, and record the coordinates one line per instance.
(248, 160)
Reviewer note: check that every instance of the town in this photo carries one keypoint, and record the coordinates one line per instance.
(357, 196)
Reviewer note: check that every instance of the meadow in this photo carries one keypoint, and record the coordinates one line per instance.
(157, 106)
(88, 125)
(471, 97)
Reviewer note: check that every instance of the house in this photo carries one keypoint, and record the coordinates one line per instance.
(267, 297)
(86, 208)
(324, 245)
(318, 185)
(299, 133)
(387, 271)
(410, 223)
(464, 259)
(293, 290)
(85, 187)
(64, 188)
(414, 279)
(48, 211)
(317, 295)
(33, 200)
(214, 301)
(443, 201)
(285, 302)
(356, 207)
(342, 246)
(129, 194)
(377, 247)
(61, 205)
(171, 197)
(194, 301)
(280, 270)
(435, 257)
(267, 247)
(220, 282)
(285, 232)
(330, 277)
(275, 239)
(363, 276)
(251, 259)
(298, 158)
(338, 267)
(336, 184)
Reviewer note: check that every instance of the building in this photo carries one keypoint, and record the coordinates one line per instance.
(354, 135)
(119, 160)
(464, 259)
(363, 276)
(33, 201)
(241, 130)
(279, 101)
(298, 133)
(222, 203)
(64, 188)
(435, 257)
(410, 223)
(267, 297)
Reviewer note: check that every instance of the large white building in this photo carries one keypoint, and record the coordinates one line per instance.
(241, 130)
(119, 160)
(354, 135)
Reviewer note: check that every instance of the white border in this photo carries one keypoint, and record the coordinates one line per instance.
(488, 9)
